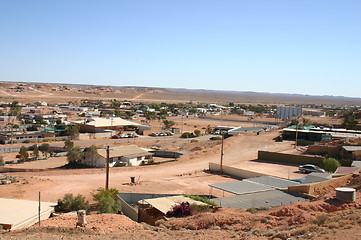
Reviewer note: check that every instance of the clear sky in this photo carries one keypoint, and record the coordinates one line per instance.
(281, 46)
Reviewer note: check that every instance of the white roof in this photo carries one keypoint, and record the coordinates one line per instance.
(165, 204)
(107, 122)
(122, 151)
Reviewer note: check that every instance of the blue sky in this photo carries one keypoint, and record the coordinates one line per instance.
(308, 47)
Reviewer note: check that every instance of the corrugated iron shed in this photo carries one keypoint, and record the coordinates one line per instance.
(278, 183)
(241, 187)
(258, 200)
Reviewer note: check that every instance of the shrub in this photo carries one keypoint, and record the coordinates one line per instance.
(197, 132)
(320, 220)
(106, 201)
(194, 140)
(180, 210)
(201, 199)
(187, 135)
(70, 203)
(2, 162)
(330, 164)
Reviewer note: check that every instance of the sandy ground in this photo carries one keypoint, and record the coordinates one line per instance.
(183, 176)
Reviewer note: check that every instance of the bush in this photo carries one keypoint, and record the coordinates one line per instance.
(187, 135)
(106, 201)
(197, 132)
(180, 210)
(201, 199)
(330, 164)
(70, 203)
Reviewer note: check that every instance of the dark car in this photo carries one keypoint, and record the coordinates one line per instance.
(308, 168)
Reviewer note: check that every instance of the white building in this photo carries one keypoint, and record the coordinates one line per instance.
(118, 156)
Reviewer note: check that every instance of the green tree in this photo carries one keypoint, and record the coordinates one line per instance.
(306, 121)
(24, 155)
(74, 155)
(45, 149)
(35, 151)
(72, 130)
(106, 201)
(91, 153)
(68, 144)
(168, 124)
(349, 120)
(70, 203)
(330, 164)
(197, 132)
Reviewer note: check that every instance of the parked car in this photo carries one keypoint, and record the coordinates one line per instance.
(115, 136)
(308, 168)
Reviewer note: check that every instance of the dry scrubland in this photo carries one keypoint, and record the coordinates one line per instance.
(323, 218)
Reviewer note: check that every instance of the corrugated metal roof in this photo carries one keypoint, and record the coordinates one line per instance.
(348, 170)
(352, 148)
(356, 163)
(269, 181)
(258, 200)
(241, 187)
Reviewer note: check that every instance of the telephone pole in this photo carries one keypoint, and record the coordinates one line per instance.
(221, 165)
(107, 171)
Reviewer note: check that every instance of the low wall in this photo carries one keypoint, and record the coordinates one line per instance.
(235, 172)
(289, 158)
(6, 169)
(331, 151)
(167, 154)
(86, 136)
(314, 188)
(128, 210)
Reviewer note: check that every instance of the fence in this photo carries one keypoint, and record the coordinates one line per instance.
(289, 158)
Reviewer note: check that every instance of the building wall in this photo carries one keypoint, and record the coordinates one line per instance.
(235, 172)
(284, 112)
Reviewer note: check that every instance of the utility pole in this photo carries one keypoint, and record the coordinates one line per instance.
(39, 210)
(221, 165)
(107, 171)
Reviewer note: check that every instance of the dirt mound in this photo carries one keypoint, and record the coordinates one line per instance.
(98, 222)
(223, 218)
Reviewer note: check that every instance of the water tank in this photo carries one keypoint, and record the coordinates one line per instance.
(346, 194)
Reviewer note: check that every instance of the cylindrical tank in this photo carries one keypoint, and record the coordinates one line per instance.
(346, 194)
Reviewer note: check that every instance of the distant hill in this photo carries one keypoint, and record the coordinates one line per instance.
(53, 92)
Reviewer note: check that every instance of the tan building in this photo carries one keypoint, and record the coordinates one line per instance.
(118, 156)
(94, 125)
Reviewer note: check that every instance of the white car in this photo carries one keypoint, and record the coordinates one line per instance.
(308, 168)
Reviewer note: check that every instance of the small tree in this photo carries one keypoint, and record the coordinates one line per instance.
(349, 120)
(45, 149)
(106, 201)
(197, 132)
(70, 203)
(74, 155)
(2, 162)
(35, 151)
(91, 153)
(68, 144)
(72, 131)
(330, 164)
(24, 155)
(168, 124)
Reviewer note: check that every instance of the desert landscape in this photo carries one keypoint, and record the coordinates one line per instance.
(323, 217)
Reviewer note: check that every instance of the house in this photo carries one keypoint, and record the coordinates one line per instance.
(130, 155)
(95, 125)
